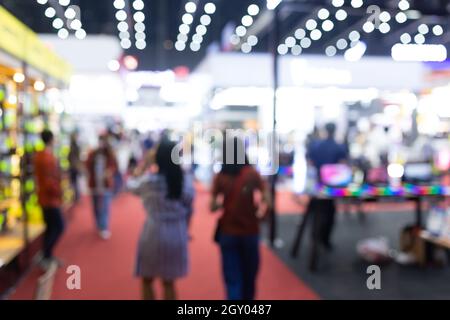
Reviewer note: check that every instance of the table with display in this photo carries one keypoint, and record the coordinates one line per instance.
(364, 193)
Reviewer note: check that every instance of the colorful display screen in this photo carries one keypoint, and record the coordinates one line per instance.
(367, 191)
(336, 175)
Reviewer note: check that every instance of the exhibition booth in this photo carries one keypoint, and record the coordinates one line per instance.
(32, 84)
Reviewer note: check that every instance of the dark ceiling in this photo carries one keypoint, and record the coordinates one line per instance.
(164, 18)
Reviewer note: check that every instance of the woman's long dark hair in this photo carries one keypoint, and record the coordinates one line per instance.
(240, 159)
(171, 171)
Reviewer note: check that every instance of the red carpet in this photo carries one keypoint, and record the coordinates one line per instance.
(107, 266)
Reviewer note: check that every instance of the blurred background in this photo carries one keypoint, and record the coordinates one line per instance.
(139, 70)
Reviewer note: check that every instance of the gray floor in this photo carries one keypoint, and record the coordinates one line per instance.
(342, 274)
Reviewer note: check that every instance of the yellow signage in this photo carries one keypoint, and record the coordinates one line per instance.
(21, 42)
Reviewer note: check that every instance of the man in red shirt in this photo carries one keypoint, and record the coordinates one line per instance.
(48, 181)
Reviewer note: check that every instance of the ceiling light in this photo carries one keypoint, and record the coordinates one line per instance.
(403, 5)
(70, 13)
(419, 38)
(300, 33)
(197, 38)
(180, 46)
(253, 40)
(296, 50)
(130, 62)
(235, 40)
(121, 15)
(42, 1)
(201, 30)
(63, 33)
(191, 7)
(141, 44)
(114, 65)
(401, 17)
(316, 34)
(385, 16)
(139, 16)
(241, 31)
(357, 3)
(50, 12)
(327, 25)
(368, 27)
(323, 14)
(19, 77)
(341, 15)
(337, 3)
(354, 35)
(138, 5)
(311, 24)
(253, 10)
(247, 21)
(139, 27)
(76, 24)
(342, 44)
(305, 43)
(184, 28)
(290, 42)
(195, 46)
(80, 34)
(282, 49)
(58, 23)
(438, 30)
(124, 35)
(119, 4)
(187, 18)
(384, 27)
(64, 3)
(182, 37)
(405, 38)
(125, 43)
(140, 36)
(423, 29)
(205, 20)
(122, 26)
(39, 85)
(246, 48)
(331, 51)
(210, 8)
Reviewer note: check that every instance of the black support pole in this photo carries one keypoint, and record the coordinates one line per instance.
(275, 41)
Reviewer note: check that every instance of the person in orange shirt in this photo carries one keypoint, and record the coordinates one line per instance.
(48, 181)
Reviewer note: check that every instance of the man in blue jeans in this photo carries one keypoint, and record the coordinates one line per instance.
(102, 168)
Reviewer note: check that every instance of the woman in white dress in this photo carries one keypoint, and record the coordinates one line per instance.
(163, 246)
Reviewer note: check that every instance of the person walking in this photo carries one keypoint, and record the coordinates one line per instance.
(48, 182)
(102, 168)
(237, 233)
(75, 165)
(167, 195)
(324, 152)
